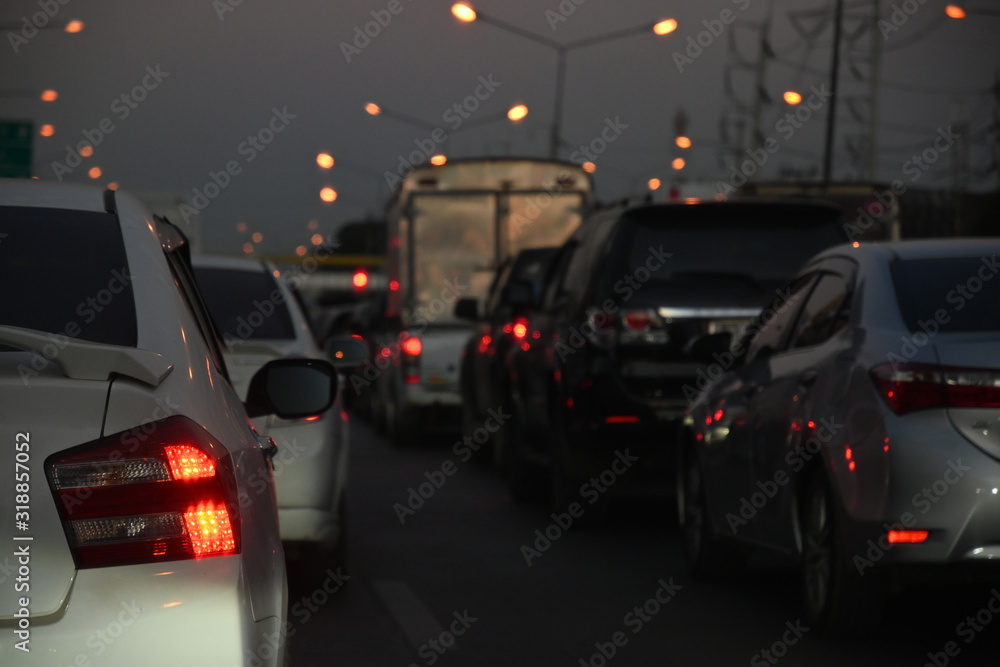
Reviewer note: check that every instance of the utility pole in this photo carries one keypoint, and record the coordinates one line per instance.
(838, 16)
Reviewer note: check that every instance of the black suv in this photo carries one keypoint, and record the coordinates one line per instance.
(515, 291)
(617, 349)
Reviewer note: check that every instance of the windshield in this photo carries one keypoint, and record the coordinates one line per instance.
(246, 305)
(65, 272)
(954, 284)
(757, 248)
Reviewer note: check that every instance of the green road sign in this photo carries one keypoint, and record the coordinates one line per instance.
(16, 139)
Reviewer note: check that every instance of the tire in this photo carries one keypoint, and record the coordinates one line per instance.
(837, 599)
(707, 557)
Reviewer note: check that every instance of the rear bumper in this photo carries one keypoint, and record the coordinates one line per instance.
(181, 612)
(939, 482)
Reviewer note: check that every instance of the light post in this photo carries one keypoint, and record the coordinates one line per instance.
(465, 13)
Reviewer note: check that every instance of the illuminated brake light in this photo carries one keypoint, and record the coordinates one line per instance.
(520, 329)
(908, 536)
(187, 462)
(209, 529)
(171, 497)
(412, 346)
(360, 279)
(622, 419)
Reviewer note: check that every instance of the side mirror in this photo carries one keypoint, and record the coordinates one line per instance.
(707, 347)
(292, 388)
(346, 351)
(467, 309)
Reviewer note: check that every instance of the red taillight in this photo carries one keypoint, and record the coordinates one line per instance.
(907, 536)
(907, 387)
(622, 419)
(360, 279)
(412, 346)
(520, 328)
(147, 496)
(637, 320)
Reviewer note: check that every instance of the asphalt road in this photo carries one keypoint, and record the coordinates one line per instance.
(450, 583)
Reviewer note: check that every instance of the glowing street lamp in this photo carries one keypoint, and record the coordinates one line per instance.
(517, 113)
(654, 184)
(678, 163)
(665, 27)
(324, 160)
(49, 96)
(683, 142)
(328, 195)
(465, 13)
(74, 26)
(792, 97)
(438, 160)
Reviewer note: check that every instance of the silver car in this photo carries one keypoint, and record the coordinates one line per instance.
(139, 502)
(260, 319)
(855, 428)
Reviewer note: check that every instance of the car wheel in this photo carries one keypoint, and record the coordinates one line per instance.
(706, 556)
(838, 599)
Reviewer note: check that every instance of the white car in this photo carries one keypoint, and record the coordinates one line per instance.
(261, 319)
(140, 522)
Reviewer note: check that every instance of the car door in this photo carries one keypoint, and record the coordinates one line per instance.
(787, 410)
(732, 476)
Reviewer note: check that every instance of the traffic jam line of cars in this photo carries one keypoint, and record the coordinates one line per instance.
(141, 481)
(833, 403)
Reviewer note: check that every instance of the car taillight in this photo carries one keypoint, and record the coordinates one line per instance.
(519, 328)
(412, 346)
(167, 492)
(637, 320)
(907, 387)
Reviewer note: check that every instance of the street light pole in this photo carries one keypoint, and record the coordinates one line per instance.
(465, 13)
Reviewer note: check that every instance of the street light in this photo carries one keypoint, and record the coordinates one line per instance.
(464, 12)
(959, 12)
(515, 113)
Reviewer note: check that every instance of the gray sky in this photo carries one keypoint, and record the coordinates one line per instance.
(224, 74)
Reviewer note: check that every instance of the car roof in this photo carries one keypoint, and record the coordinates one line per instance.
(888, 251)
(42, 194)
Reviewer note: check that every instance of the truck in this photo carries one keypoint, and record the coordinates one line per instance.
(448, 229)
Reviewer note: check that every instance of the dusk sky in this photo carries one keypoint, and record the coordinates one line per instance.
(261, 87)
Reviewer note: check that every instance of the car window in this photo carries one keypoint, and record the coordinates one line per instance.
(554, 279)
(825, 312)
(246, 305)
(749, 250)
(959, 293)
(65, 272)
(769, 331)
(584, 263)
